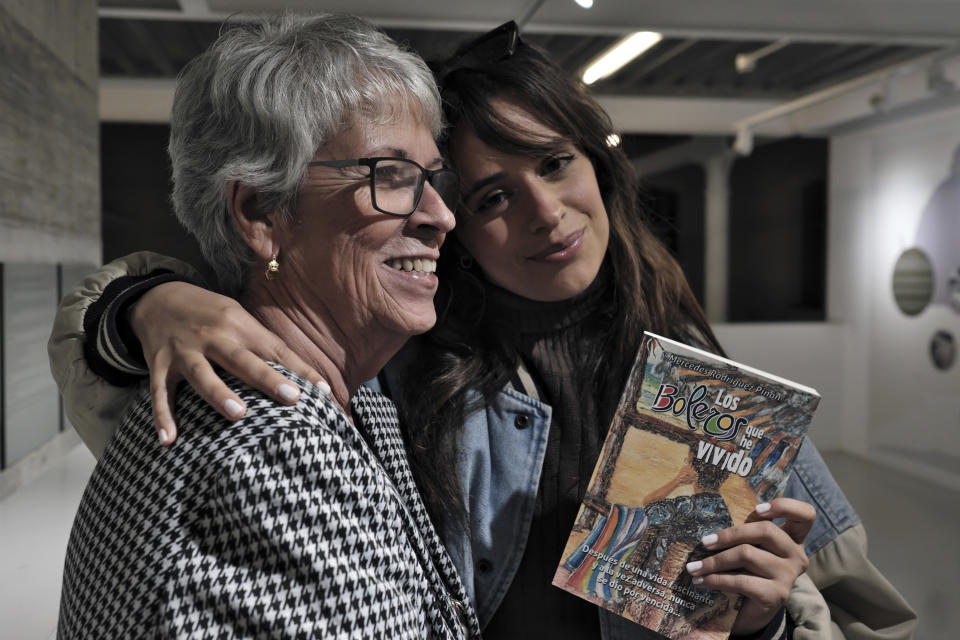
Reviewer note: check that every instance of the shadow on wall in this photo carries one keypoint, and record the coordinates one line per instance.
(938, 234)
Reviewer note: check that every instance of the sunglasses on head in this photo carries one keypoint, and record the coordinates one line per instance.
(493, 46)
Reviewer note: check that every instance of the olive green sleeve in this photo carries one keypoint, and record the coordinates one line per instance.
(844, 596)
(93, 405)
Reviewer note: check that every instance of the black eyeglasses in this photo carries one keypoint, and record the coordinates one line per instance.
(493, 46)
(396, 184)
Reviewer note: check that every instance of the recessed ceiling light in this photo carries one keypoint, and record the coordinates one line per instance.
(586, 4)
(620, 54)
(613, 140)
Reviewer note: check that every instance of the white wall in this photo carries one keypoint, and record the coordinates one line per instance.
(882, 396)
(807, 353)
(898, 407)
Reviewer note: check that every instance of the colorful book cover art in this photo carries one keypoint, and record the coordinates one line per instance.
(696, 443)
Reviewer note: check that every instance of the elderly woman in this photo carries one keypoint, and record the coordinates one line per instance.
(305, 164)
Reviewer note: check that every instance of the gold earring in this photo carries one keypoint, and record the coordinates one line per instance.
(273, 268)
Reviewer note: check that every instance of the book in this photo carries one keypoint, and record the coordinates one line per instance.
(697, 441)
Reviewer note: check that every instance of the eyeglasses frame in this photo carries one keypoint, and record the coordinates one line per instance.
(426, 175)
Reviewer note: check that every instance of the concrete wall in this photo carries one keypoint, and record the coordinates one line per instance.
(49, 202)
(32, 415)
(49, 167)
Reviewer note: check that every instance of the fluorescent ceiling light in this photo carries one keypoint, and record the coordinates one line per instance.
(586, 4)
(620, 54)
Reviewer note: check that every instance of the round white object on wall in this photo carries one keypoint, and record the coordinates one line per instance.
(913, 281)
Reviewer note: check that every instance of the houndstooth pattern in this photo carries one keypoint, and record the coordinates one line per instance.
(285, 524)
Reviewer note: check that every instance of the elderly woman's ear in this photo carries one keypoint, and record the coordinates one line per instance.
(257, 228)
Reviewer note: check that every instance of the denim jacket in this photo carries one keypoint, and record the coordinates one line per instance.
(500, 462)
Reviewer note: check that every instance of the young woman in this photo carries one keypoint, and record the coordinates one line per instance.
(548, 283)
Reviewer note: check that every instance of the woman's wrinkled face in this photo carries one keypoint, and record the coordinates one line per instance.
(365, 268)
(537, 226)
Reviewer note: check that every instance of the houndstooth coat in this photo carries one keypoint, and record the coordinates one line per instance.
(289, 523)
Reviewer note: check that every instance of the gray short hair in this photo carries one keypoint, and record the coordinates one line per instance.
(262, 99)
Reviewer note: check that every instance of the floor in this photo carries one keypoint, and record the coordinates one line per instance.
(34, 525)
(912, 527)
(911, 523)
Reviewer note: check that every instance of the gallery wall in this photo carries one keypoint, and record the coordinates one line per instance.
(809, 353)
(883, 395)
(901, 408)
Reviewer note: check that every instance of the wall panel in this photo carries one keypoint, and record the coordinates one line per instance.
(49, 168)
(30, 404)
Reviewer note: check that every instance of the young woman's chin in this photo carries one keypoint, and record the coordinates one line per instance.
(545, 284)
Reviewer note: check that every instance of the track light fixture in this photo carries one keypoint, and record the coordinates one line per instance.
(620, 54)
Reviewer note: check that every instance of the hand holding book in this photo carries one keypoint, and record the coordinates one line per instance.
(758, 560)
(669, 534)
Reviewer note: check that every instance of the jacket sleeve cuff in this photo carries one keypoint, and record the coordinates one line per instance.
(111, 349)
(779, 628)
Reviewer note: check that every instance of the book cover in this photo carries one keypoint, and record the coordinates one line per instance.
(696, 443)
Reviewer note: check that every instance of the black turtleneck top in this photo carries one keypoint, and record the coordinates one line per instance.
(560, 343)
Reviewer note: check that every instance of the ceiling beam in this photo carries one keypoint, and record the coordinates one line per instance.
(865, 96)
(682, 116)
(696, 151)
(903, 88)
(150, 100)
(136, 100)
(195, 9)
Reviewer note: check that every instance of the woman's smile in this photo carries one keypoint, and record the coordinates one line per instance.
(419, 265)
(415, 275)
(561, 251)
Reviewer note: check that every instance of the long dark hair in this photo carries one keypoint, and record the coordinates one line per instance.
(467, 350)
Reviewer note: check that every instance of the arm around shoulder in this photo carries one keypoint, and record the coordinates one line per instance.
(93, 405)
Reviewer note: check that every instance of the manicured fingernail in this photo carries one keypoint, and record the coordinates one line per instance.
(163, 436)
(698, 581)
(233, 408)
(288, 392)
(694, 566)
(323, 386)
(763, 507)
(709, 539)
